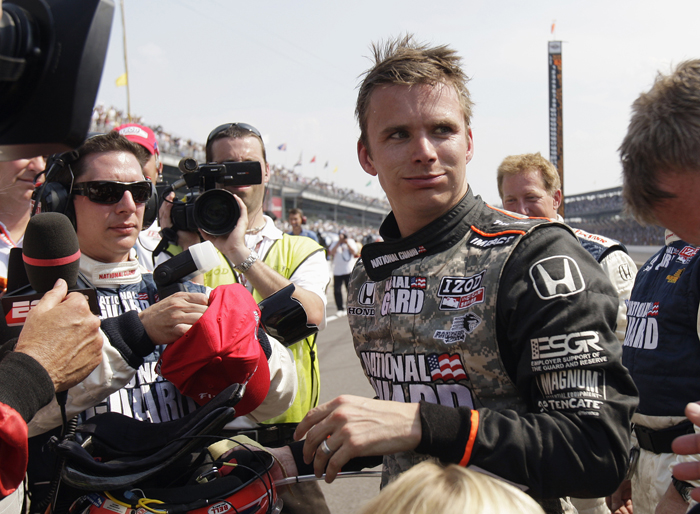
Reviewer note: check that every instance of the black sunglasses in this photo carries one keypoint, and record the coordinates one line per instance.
(223, 128)
(110, 192)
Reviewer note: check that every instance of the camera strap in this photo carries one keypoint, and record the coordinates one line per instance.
(168, 237)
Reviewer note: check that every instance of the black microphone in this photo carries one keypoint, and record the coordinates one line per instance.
(51, 251)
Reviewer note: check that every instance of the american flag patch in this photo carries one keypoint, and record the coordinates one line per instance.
(654, 311)
(446, 367)
(418, 282)
(143, 296)
(421, 249)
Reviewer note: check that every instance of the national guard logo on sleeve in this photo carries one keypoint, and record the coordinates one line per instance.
(556, 276)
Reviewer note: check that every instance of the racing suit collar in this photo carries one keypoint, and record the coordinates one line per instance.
(670, 237)
(380, 259)
(111, 274)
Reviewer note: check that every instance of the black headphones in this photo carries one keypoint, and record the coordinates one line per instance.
(55, 194)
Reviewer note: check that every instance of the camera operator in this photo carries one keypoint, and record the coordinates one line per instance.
(264, 259)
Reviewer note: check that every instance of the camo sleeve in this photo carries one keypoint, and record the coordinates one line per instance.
(556, 336)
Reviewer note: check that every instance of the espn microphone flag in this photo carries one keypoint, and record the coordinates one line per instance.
(51, 251)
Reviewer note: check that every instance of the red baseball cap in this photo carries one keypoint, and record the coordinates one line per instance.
(221, 349)
(139, 134)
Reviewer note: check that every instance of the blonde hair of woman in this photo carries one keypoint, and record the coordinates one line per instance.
(430, 488)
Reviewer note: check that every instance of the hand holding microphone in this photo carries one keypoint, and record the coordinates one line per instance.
(63, 336)
(60, 331)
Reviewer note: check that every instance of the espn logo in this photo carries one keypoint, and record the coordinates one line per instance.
(17, 312)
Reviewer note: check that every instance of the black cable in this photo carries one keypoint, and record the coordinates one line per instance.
(67, 431)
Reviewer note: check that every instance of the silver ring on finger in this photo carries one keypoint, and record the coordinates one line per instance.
(324, 448)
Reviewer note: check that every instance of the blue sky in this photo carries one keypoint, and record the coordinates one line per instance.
(291, 69)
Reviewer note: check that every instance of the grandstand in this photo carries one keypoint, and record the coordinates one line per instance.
(602, 212)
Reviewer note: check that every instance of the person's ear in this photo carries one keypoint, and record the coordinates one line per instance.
(365, 159)
(557, 199)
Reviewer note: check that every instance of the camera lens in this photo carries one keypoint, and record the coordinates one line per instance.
(216, 212)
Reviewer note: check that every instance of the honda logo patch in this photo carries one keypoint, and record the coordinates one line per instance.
(556, 276)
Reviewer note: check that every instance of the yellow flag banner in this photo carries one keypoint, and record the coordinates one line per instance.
(121, 81)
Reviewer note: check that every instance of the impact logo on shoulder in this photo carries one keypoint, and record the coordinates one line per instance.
(458, 293)
(556, 277)
(482, 241)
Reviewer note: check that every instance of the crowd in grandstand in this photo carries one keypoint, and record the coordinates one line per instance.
(603, 212)
(625, 230)
(105, 119)
(291, 178)
(582, 205)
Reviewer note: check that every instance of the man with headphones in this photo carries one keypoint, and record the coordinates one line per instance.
(296, 219)
(108, 221)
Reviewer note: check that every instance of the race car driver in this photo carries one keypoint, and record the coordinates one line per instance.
(489, 338)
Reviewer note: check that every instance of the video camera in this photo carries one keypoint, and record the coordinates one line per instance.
(51, 57)
(207, 206)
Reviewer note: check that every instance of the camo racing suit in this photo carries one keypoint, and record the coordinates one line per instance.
(503, 328)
